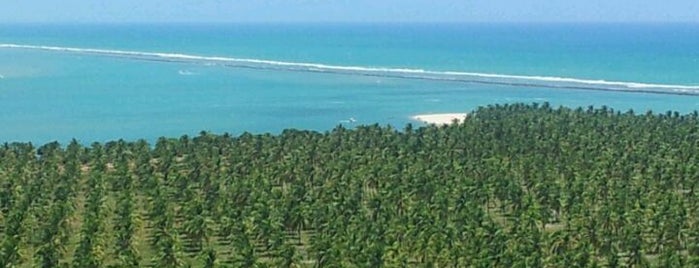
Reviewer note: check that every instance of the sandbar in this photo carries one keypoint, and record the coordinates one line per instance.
(440, 119)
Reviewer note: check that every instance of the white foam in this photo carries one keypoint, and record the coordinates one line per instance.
(186, 73)
(538, 81)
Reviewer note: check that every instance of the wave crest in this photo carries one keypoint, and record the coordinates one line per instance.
(469, 77)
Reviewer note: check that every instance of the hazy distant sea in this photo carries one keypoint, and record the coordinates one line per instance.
(48, 95)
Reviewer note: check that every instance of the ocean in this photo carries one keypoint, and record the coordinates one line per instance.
(98, 83)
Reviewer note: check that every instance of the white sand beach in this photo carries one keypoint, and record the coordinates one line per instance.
(440, 119)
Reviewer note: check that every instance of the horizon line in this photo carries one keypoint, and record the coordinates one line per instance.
(387, 22)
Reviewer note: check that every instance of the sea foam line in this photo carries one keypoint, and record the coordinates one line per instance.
(472, 77)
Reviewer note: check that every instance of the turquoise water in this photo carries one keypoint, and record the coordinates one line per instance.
(57, 95)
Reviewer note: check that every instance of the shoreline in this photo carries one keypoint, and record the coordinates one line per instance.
(440, 119)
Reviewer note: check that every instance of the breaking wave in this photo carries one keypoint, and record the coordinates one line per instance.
(468, 77)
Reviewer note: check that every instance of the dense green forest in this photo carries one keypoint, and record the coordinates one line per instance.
(513, 186)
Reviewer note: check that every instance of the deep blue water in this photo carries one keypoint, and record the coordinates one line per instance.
(53, 95)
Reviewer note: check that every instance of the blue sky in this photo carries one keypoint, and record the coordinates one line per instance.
(349, 11)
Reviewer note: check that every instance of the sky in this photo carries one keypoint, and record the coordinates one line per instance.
(162, 11)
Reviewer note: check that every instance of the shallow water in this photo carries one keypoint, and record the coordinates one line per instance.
(53, 95)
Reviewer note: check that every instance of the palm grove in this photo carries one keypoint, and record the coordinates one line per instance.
(514, 186)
